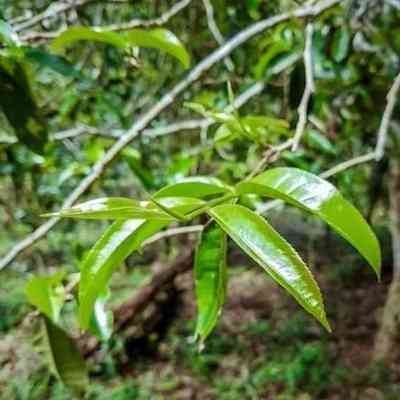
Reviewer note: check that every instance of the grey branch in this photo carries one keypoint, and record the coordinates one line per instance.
(134, 23)
(213, 27)
(203, 66)
(51, 11)
(308, 90)
(387, 116)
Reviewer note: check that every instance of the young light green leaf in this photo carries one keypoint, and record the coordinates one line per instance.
(160, 39)
(196, 187)
(47, 294)
(218, 116)
(115, 208)
(319, 197)
(265, 246)
(210, 278)
(65, 360)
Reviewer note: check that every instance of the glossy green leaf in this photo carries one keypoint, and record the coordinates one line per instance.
(78, 33)
(114, 246)
(117, 242)
(197, 187)
(65, 360)
(114, 208)
(160, 39)
(210, 278)
(19, 106)
(265, 246)
(47, 294)
(101, 323)
(321, 198)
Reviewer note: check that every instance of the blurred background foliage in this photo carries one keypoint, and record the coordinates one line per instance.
(67, 110)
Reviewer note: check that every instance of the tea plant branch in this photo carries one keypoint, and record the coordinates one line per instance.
(387, 116)
(165, 101)
(134, 23)
(51, 11)
(308, 90)
(213, 27)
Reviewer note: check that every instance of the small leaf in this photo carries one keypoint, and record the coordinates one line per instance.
(320, 142)
(47, 294)
(265, 246)
(65, 360)
(160, 39)
(341, 44)
(218, 116)
(115, 208)
(210, 278)
(196, 187)
(319, 197)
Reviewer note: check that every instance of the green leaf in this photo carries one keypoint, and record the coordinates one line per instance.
(101, 323)
(114, 246)
(257, 128)
(160, 39)
(78, 33)
(65, 360)
(218, 116)
(114, 208)
(320, 142)
(210, 278)
(47, 294)
(55, 62)
(196, 187)
(265, 246)
(319, 197)
(341, 44)
(19, 106)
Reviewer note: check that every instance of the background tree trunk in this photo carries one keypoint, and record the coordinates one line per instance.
(389, 332)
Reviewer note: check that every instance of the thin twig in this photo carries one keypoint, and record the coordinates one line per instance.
(182, 230)
(387, 116)
(308, 90)
(165, 101)
(51, 11)
(123, 26)
(213, 27)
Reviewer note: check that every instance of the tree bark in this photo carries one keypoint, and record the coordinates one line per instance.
(388, 337)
